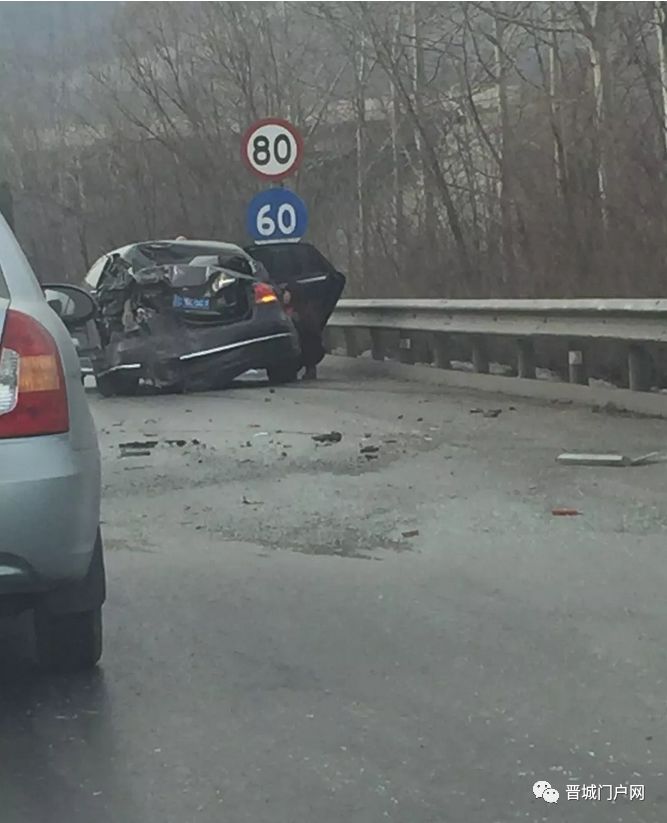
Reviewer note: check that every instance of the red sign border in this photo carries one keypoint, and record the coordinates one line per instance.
(272, 121)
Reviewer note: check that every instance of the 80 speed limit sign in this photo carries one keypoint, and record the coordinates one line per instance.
(272, 148)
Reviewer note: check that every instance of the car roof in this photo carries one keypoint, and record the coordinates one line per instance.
(230, 248)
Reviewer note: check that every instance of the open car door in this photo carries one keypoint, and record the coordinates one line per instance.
(313, 283)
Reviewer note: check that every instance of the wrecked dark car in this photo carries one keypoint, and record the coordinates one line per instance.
(186, 315)
(309, 286)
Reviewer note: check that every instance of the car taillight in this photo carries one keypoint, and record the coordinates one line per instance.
(33, 396)
(264, 293)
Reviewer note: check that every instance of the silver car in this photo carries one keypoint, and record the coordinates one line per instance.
(50, 543)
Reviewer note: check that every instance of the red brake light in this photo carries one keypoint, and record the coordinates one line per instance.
(33, 396)
(264, 293)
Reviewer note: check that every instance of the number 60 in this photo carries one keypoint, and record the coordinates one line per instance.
(285, 218)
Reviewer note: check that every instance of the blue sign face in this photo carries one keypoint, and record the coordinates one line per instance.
(276, 214)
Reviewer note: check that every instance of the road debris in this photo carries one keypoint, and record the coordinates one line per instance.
(565, 512)
(611, 459)
(647, 459)
(588, 459)
(138, 444)
(369, 449)
(410, 533)
(129, 453)
(328, 438)
(492, 413)
(180, 443)
(371, 456)
(247, 502)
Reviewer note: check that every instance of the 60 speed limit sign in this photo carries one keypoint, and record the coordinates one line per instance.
(272, 148)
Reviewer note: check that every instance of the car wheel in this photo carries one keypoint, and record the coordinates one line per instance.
(109, 385)
(105, 385)
(68, 642)
(279, 375)
(126, 384)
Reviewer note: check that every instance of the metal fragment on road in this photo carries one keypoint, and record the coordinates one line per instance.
(410, 533)
(592, 459)
(647, 459)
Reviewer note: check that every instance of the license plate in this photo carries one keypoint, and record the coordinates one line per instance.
(181, 302)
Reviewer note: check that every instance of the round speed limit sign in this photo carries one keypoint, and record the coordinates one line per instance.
(272, 148)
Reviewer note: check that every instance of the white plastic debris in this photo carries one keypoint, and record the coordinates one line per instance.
(587, 459)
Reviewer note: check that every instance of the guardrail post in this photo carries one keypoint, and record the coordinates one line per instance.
(421, 347)
(351, 342)
(480, 355)
(405, 351)
(639, 369)
(377, 344)
(526, 359)
(576, 364)
(440, 343)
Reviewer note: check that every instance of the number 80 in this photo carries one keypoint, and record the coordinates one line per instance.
(261, 150)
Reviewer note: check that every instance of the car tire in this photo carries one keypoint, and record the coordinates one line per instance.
(109, 385)
(280, 375)
(68, 642)
(105, 385)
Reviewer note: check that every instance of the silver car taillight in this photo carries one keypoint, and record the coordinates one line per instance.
(9, 380)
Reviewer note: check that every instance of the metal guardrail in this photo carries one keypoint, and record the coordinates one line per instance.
(638, 324)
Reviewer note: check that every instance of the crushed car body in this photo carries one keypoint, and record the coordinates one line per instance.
(187, 315)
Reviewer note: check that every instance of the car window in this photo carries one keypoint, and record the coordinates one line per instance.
(93, 276)
(4, 290)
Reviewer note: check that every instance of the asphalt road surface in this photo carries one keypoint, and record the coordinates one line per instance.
(300, 632)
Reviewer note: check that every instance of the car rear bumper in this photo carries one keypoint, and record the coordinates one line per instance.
(49, 513)
(211, 355)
